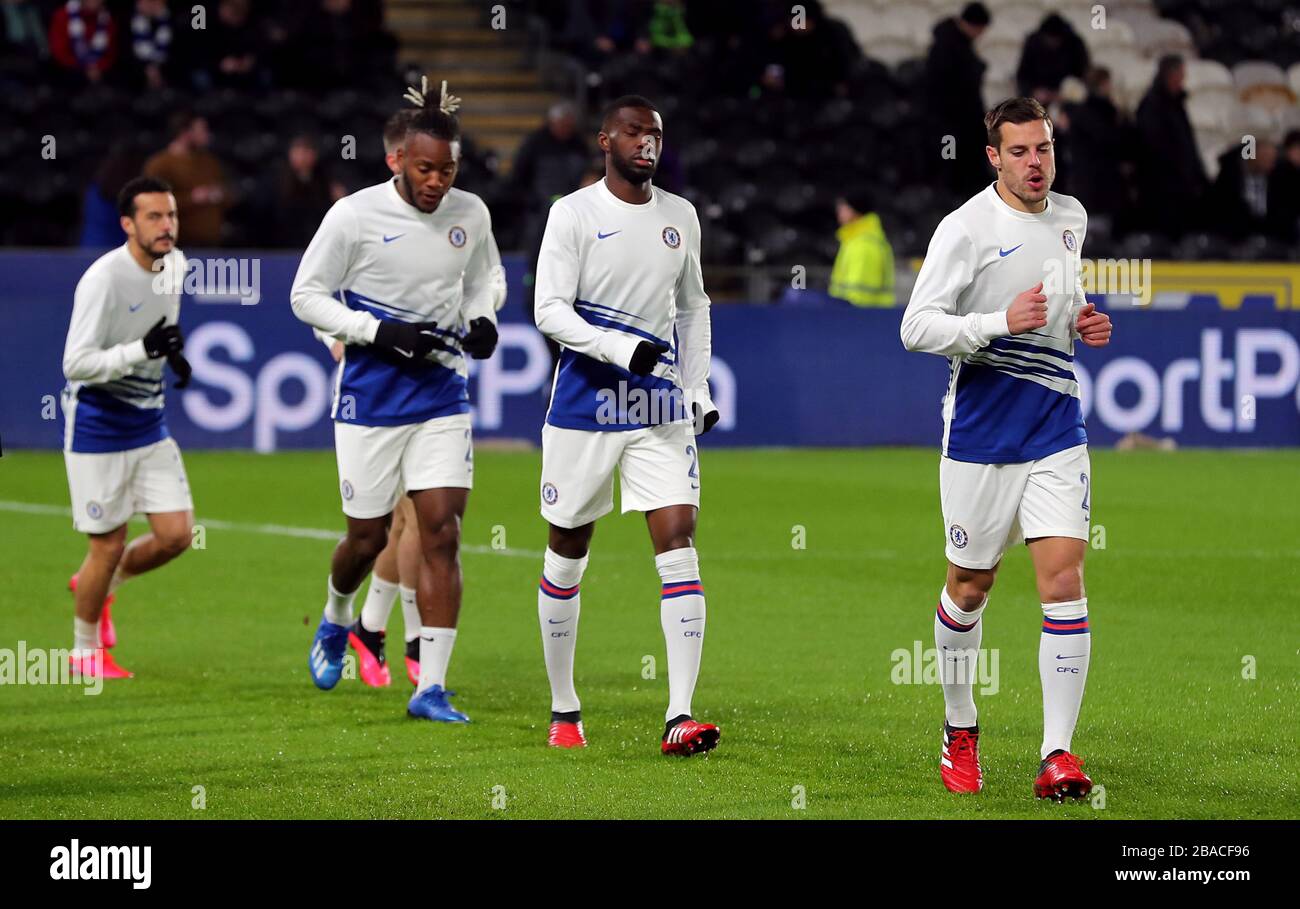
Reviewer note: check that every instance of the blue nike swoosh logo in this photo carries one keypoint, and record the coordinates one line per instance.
(135, 307)
(560, 622)
(388, 239)
(698, 618)
(1008, 252)
(1072, 657)
(600, 236)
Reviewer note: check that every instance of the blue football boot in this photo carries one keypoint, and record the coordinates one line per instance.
(326, 658)
(431, 704)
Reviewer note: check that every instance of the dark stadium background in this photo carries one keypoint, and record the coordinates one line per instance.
(773, 112)
(830, 429)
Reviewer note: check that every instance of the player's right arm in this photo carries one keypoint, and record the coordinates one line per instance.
(931, 323)
(556, 287)
(322, 271)
(86, 358)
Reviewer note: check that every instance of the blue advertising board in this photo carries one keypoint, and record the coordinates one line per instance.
(782, 376)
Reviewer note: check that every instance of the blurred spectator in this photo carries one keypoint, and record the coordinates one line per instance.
(1240, 198)
(550, 163)
(297, 194)
(83, 39)
(340, 45)
(197, 179)
(863, 273)
(667, 29)
(1171, 175)
(1284, 189)
(1099, 146)
(953, 76)
(22, 38)
(228, 53)
(812, 62)
(1051, 53)
(594, 30)
(550, 160)
(101, 226)
(151, 41)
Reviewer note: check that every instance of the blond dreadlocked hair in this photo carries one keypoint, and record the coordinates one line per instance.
(435, 115)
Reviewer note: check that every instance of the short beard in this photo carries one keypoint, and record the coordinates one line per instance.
(148, 250)
(630, 174)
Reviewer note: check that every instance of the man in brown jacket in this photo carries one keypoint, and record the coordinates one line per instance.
(196, 177)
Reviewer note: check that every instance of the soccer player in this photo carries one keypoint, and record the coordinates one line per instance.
(999, 294)
(408, 275)
(119, 455)
(397, 569)
(395, 576)
(618, 279)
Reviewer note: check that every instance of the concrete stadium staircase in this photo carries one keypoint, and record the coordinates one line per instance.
(490, 69)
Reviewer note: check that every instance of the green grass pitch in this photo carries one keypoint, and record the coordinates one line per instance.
(1195, 585)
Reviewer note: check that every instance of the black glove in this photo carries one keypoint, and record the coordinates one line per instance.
(162, 340)
(704, 421)
(181, 367)
(411, 340)
(645, 357)
(481, 339)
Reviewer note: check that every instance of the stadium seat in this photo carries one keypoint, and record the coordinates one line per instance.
(1117, 33)
(1201, 246)
(1209, 77)
(1143, 245)
(1157, 37)
(1211, 112)
(1262, 83)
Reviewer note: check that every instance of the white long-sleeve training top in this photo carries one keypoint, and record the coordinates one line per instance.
(1011, 398)
(113, 400)
(375, 257)
(610, 275)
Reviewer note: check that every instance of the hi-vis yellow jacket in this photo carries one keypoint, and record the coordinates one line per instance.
(864, 267)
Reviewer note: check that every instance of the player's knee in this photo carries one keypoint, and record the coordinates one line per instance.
(108, 547)
(969, 596)
(368, 542)
(1062, 585)
(969, 588)
(440, 542)
(174, 542)
(680, 540)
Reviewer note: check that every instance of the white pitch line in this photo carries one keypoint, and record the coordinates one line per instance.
(272, 530)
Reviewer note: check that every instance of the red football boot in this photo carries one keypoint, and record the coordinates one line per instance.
(959, 761)
(1060, 776)
(413, 661)
(107, 633)
(371, 662)
(97, 665)
(684, 736)
(566, 734)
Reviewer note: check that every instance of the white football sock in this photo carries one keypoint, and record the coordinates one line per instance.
(1064, 648)
(435, 654)
(681, 615)
(957, 636)
(338, 606)
(379, 604)
(85, 636)
(558, 606)
(410, 613)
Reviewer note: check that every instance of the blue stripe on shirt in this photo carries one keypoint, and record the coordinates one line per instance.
(1000, 419)
(103, 422)
(377, 388)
